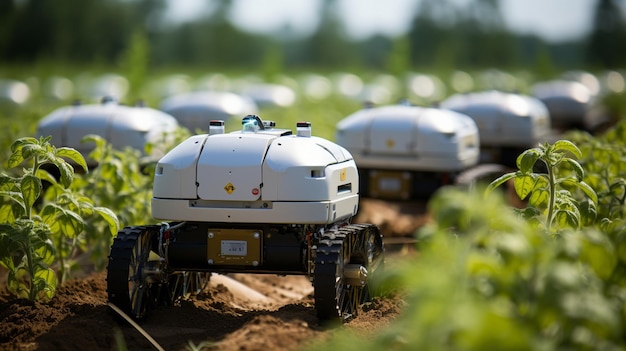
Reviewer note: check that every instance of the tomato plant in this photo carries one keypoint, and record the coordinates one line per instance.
(121, 182)
(485, 278)
(34, 235)
(552, 193)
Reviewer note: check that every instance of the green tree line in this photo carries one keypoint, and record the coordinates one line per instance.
(441, 34)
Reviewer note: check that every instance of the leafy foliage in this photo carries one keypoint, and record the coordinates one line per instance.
(552, 194)
(36, 234)
(487, 277)
(605, 160)
(122, 183)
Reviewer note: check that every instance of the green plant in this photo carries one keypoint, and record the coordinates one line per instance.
(605, 164)
(35, 234)
(604, 161)
(486, 279)
(551, 193)
(122, 183)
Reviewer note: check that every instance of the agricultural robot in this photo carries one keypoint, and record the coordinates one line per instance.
(407, 152)
(572, 105)
(120, 125)
(258, 200)
(194, 110)
(508, 123)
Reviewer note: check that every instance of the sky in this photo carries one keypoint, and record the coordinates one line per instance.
(553, 20)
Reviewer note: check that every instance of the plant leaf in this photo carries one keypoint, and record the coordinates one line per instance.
(618, 188)
(526, 160)
(46, 283)
(30, 150)
(31, 189)
(566, 145)
(17, 198)
(499, 181)
(567, 218)
(67, 172)
(588, 211)
(539, 198)
(46, 252)
(578, 169)
(69, 223)
(110, 218)
(588, 191)
(73, 155)
(19, 143)
(62, 221)
(45, 176)
(524, 184)
(17, 155)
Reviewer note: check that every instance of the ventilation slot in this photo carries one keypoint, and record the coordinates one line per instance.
(345, 188)
(317, 173)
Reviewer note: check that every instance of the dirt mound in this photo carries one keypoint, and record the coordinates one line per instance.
(235, 312)
(229, 315)
(394, 218)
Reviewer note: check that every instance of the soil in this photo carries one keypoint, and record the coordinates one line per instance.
(235, 312)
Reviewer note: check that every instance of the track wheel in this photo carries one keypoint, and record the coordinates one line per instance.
(134, 273)
(345, 261)
(184, 284)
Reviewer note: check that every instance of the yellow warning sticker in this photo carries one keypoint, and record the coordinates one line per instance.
(390, 143)
(342, 175)
(230, 188)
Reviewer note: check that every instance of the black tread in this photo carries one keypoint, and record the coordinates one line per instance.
(334, 249)
(119, 264)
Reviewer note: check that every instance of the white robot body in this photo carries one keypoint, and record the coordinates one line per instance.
(121, 126)
(569, 102)
(504, 119)
(410, 138)
(405, 151)
(194, 110)
(262, 176)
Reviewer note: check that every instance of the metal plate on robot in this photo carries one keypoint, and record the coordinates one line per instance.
(234, 246)
(390, 184)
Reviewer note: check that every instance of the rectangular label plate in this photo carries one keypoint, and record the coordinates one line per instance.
(390, 184)
(234, 246)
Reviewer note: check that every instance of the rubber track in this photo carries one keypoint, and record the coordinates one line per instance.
(118, 267)
(378, 243)
(328, 266)
(327, 258)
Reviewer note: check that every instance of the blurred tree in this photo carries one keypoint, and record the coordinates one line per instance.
(329, 45)
(382, 52)
(7, 23)
(443, 37)
(443, 34)
(430, 30)
(399, 59)
(607, 40)
(210, 41)
(135, 61)
(487, 14)
(272, 62)
(26, 29)
(85, 30)
(70, 30)
(544, 67)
